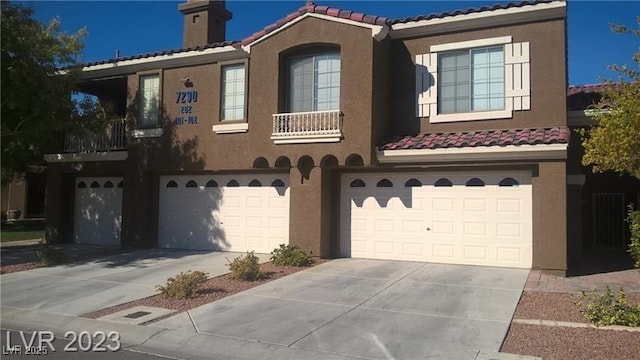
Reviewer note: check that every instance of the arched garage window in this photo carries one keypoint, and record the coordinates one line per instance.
(95, 184)
(357, 183)
(82, 185)
(108, 184)
(277, 183)
(475, 182)
(255, 183)
(508, 182)
(211, 183)
(314, 82)
(192, 184)
(233, 183)
(413, 183)
(443, 182)
(384, 183)
(172, 184)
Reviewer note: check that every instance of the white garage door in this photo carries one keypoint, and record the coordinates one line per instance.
(98, 210)
(461, 218)
(224, 212)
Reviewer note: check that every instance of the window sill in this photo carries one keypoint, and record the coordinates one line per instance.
(484, 115)
(231, 128)
(147, 133)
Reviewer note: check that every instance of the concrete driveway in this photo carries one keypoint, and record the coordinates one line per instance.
(363, 308)
(76, 289)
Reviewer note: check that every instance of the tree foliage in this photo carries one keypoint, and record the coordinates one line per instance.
(613, 144)
(39, 71)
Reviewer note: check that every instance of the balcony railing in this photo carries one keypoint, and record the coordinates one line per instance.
(307, 127)
(112, 138)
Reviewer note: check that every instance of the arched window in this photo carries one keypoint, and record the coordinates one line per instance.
(172, 184)
(475, 182)
(313, 82)
(211, 183)
(95, 184)
(82, 185)
(255, 183)
(443, 182)
(384, 183)
(191, 184)
(357, 183)
(108, 184)
(277, 183)
(509, 182)
(232, 183)
(120, 183)
(413, 183)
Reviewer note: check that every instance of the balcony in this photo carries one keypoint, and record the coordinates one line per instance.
(90, 145)
(307, 127)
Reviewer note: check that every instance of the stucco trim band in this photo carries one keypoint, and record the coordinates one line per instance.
(230, 128)
(509, 152)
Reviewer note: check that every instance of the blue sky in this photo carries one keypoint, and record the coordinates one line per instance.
(118, 25)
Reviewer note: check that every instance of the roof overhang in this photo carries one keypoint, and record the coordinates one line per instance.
(378, 32)
(499, 17)
(167, 61)
(481, 153)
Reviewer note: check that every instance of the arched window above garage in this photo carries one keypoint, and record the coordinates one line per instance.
(384, 183)
(95, 184)
(82, 185)
(121, 183)
(211, 183)
(172, 184)
(191, 184)
(277, 183)
(357, 183)
(475, 182)
(108, 184)
(255, 183)
(509, 182)
(233, 183)
(413, 183)
(443, 182)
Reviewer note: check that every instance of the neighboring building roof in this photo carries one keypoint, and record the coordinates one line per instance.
(162, 53)
(580, 97)
(556, 135)
(312, 8)
(466, 11)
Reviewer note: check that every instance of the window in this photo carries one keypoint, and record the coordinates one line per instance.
(233, 86)
(357, 183)
(149, 100)
(314, 82)
(471, 80)
(475, 182)
(443, 182)
(384, 183)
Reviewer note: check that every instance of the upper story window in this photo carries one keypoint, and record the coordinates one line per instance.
(314, 82)
(149, 100)
(471, 80)
(233, 92)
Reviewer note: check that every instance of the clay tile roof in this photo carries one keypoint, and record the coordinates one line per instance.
(580, 97)
(312, 8)
(466, 11)
(165, 52)
(557, 135)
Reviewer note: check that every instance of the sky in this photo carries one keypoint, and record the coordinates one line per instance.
(138, 27)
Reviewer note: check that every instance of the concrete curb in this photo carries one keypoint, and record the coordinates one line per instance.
(492, 355)
(574, 325)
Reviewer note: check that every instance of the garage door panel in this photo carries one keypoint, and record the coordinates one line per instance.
(240, 217)
(98, 210)
(488, 224)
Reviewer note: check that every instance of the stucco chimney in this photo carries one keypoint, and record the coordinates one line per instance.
(205, 22)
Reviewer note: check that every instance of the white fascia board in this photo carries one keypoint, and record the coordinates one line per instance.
(378, 32)
(81, 157)
(187, 58)
(471, 44)
(481, 19)
(489, 153)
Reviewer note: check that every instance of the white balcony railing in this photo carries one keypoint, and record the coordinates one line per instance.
(307, 127)
(112, 138)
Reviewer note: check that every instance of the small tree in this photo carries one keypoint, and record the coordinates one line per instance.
(613, 143)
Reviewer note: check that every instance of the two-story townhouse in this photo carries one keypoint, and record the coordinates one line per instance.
(434, 138)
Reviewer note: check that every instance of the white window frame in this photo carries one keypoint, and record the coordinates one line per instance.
(239, 95)
(315, 85)
(142, 114)
(517, 87)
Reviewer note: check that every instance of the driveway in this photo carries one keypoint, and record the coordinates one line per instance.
(76, 289)
(364, 308)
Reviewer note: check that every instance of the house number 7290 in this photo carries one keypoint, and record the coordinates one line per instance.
(186, 96)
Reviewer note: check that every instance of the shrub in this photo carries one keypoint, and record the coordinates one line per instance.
(246, 268)
(183, 285)
(634, 229)
(49, 255)
(290, 255)
(607, 309)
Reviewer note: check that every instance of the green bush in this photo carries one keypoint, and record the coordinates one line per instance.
(290, 255)
(184, 285)
(634, 227)
(607, 309)
(49, 255)
(246, 268)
